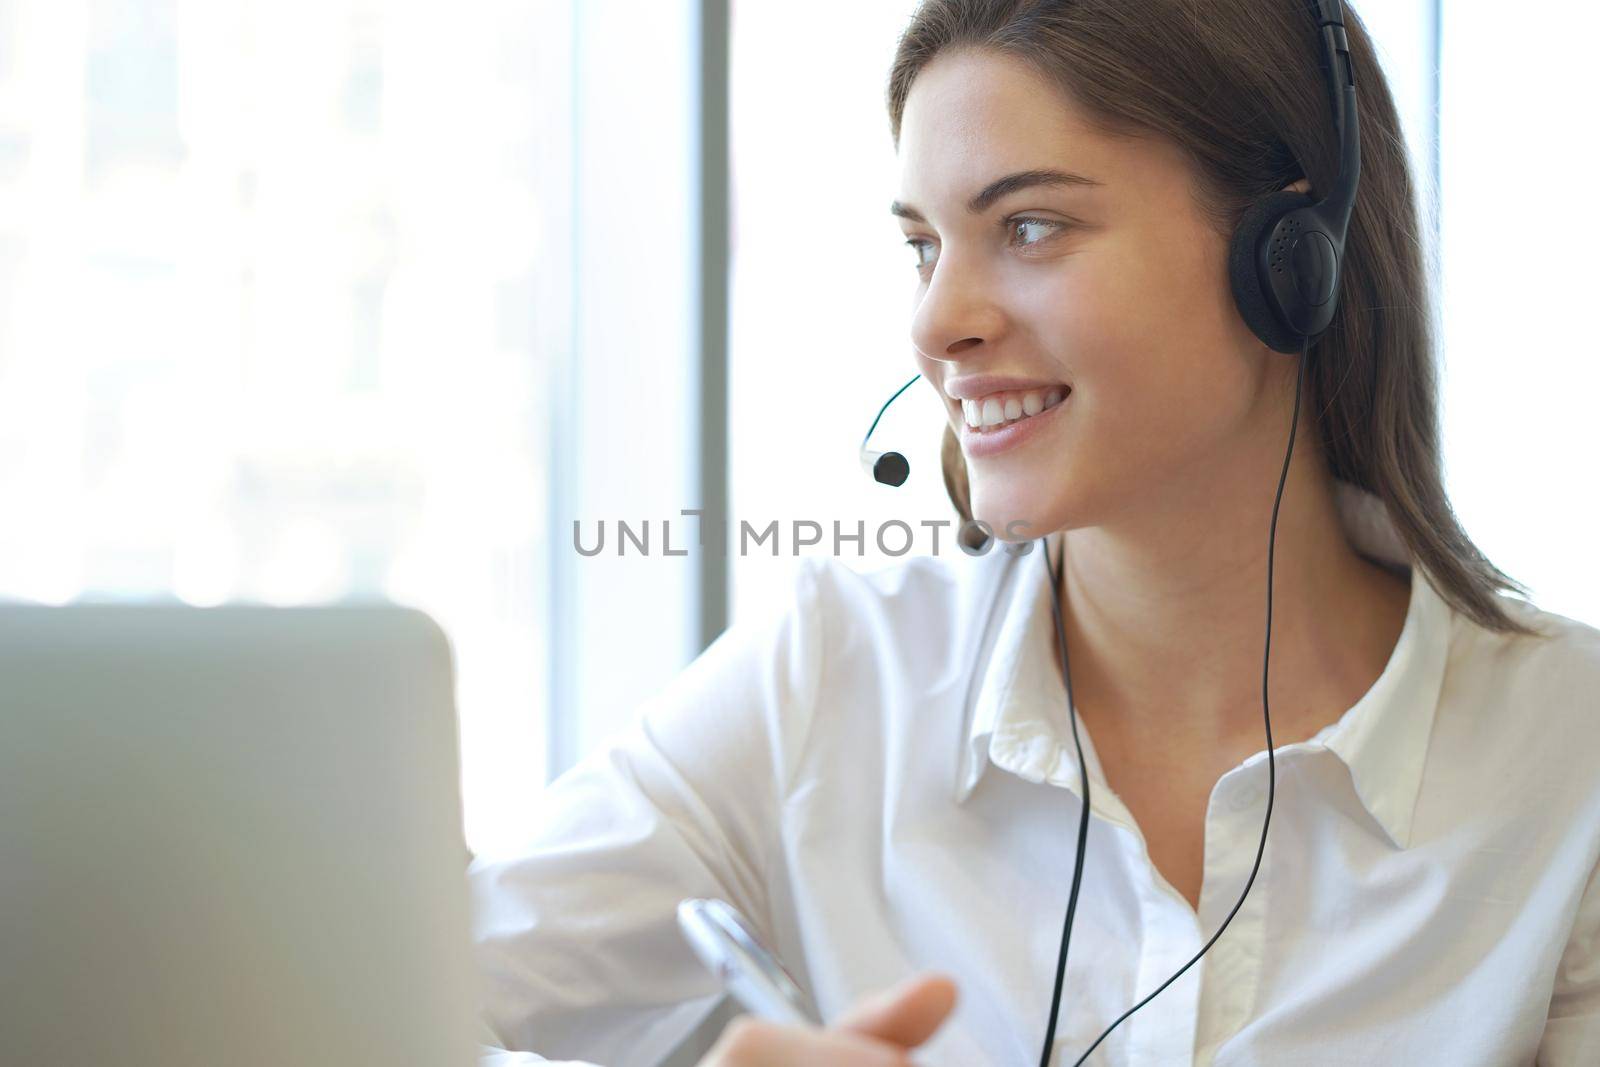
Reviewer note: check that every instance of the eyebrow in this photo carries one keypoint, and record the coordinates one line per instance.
(1000, 187)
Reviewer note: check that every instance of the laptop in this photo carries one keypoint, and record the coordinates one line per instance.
(230, 835)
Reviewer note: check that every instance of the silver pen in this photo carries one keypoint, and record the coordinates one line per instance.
(729, 948)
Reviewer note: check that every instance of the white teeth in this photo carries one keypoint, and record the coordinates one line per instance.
(1000, 408)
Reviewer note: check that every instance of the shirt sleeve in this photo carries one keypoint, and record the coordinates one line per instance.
(576, 932)
(1572, 1031)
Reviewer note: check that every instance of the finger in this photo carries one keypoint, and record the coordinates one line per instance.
(906, 1014)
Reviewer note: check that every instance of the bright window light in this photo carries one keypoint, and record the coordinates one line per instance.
(267, 275)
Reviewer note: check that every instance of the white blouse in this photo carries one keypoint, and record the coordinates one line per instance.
(881, 775)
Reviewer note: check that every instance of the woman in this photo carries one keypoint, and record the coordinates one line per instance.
(884, 775)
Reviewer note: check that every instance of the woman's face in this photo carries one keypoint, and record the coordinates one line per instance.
(1115, 294)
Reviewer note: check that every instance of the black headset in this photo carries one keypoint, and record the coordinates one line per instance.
(1284, 265)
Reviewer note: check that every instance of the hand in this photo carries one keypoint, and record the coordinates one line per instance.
(877, 1032)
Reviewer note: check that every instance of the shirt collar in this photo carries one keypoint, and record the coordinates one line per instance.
(1020, 703)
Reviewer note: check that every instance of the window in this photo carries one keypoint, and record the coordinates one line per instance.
(268, 280)
(1521, 365)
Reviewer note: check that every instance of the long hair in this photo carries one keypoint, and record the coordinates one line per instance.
(1238, 85)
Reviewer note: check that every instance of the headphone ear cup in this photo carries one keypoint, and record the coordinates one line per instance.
(1255, 300)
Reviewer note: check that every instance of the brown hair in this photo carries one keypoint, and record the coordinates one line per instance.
(1237, 84)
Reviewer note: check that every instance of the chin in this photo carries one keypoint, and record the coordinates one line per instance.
(1047, 505)
(996, 510)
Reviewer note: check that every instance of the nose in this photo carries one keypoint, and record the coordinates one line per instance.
(955, 321)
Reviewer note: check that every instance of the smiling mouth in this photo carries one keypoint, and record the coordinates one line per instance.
(998, 410)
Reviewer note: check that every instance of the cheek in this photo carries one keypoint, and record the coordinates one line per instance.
(1148, 403)
(1152, 353)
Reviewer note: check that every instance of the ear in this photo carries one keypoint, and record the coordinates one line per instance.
(1303, 185)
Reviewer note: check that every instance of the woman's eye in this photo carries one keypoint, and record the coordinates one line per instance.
(1013, 227)
(917, 244)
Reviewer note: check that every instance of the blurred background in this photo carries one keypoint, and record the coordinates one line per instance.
(308, 301)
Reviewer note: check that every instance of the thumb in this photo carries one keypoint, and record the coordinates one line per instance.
(906, 1014)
